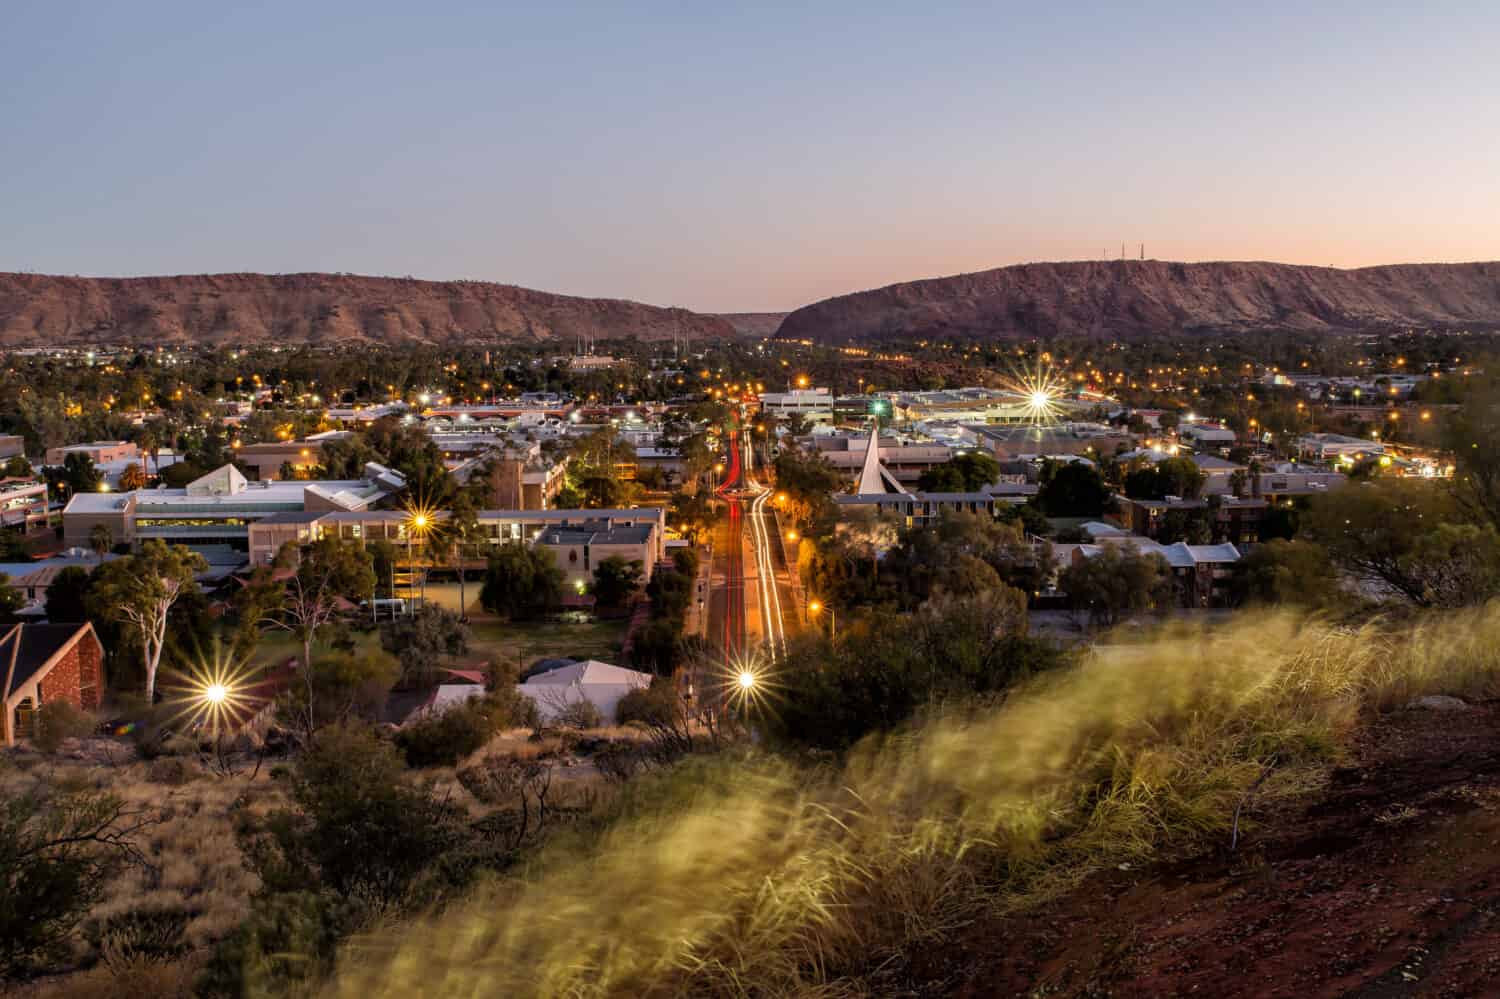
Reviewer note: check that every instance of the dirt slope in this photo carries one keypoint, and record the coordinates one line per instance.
(1135, 298)
(316, 308)
(1387, 886)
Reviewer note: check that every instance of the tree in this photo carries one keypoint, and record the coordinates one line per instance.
(1116, 582)
(964, 473)
(79, 473)
(1299, 573)
(1178, 477)
(132, 478)
(329, 572)
(16, 468)
(67, 596)
(693, 514)
(341, 687)
(57, 855)
(1071, 489)
(355, 827)
(521, 583)
(11, 600)
(101, 540)
(616, 580)
(1408, 538)
(139, 591)
(456, 539)
(420, 640)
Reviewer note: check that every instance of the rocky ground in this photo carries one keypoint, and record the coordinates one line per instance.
(1386, 886)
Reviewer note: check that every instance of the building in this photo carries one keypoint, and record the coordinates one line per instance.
(904, 460)
(42, 663)
(23, 504)
(1206, 436)
(496, 527)
(265, 461)
(12, 446)
(97, 452)
(980, 405)
(1333, 447)
(217, 508)
(1200, 573)
(1091, 440)
(813, 405)
(579, 548)
(601, 684)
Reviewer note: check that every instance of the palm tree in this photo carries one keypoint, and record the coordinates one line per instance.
(101, 541)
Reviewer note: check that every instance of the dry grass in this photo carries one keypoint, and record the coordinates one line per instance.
(195, 861)
(758, 878)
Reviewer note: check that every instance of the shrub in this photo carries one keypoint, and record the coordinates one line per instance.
(171, 770)
(357, 828)
(152, 932)
(288, 940)
(57, 721)
(56, 856)
(579, 714)
(445, 738)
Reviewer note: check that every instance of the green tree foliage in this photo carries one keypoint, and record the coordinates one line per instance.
(341, 687)
(421, 640)
(1178, 477)
(79, 473)
(693, 514)
(891, 666)
(67, 597)
(1298, 573)
(139, 592)
(965, 473)
(1071, 489)
(355, 827)
(1409, 538)
(616, 580)
(447, 736)
(1117, 582)
(809, 482)
(330, 574)
(522, 583)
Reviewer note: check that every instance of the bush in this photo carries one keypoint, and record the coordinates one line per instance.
(685, 561)
(288, 940)
(579, 714)
(445, 738)
(172, 771)
(57, 721)
(152, 932)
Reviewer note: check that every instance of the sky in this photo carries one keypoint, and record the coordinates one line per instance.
(727, 157)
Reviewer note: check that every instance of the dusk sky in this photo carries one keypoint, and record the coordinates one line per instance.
(740, 157)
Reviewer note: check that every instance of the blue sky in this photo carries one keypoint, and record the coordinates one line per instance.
(742, 158)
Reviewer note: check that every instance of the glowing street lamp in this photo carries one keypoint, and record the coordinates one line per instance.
(815, 608)
(791, 535)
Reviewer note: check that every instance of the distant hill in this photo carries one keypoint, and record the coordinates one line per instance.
(1130, 298)
(754, 323)
(317, 308)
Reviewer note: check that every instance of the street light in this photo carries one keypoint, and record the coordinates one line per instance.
(791, 535)
(815, 607)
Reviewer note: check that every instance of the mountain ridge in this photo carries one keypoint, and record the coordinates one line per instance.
(329, 308)
(1130, 298)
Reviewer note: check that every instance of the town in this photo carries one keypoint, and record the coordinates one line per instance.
(542, 574)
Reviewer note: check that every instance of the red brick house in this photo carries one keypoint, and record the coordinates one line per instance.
(42, 663)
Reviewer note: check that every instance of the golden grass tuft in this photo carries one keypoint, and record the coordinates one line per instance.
(751, 877)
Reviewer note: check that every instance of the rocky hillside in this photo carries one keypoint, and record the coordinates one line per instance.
(759, 324)
(1134, 298)
(316, 308)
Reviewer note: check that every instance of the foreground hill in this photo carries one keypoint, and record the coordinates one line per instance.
(1128, 298)
(316, 308)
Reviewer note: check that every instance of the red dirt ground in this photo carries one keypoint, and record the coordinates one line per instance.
(1386, 886)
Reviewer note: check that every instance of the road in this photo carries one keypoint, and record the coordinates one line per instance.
(751, 599)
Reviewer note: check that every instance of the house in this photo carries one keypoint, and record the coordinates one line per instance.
(1206, 435)
(1200, 573)
(601, 684)
(580, 548)
(96, 451)
(42, 663)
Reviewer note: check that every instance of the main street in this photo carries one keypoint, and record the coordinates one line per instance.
(752, 596)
